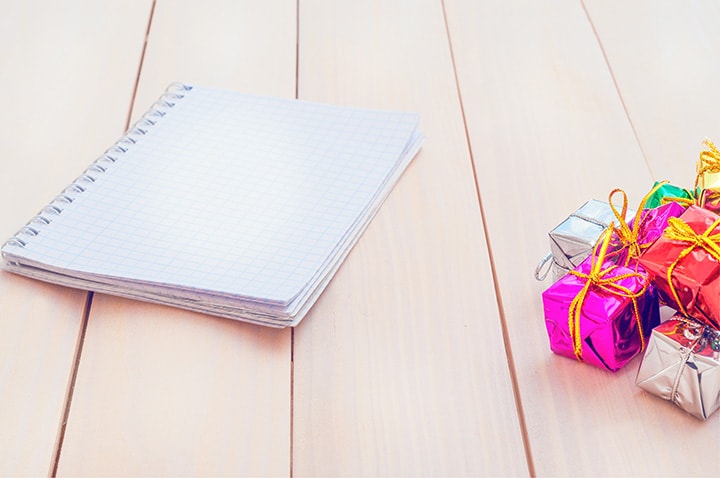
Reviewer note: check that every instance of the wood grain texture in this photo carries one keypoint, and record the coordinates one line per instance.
(548, 132)
(400, 367)
(240, 45)
(162, 391)
(56, 116)
(664, 57)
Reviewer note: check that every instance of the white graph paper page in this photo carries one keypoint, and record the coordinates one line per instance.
(234, 194)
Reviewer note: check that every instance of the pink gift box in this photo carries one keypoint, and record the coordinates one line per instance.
(652, 224)
(608, 328)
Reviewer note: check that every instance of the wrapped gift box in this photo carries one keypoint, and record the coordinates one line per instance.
(665, 193)
(708, 167)
(693, 264)
(682, 365)
(710, 200)
(573, 239)
(636, 237)
(613, 304)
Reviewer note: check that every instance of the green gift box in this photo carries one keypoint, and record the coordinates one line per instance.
(668, 193)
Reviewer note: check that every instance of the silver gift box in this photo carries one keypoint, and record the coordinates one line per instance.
(686, 374)
(572, 241)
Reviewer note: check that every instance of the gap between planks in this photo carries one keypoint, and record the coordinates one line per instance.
(88, 302)
(71, 386)
(617, 88)
(498, 296)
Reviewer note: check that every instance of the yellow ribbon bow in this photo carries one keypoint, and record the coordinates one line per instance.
(709, 161)
(678, 230)
(629, 237)
(693, 200)
(604, 280)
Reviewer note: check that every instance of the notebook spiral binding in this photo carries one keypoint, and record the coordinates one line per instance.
(45, 216)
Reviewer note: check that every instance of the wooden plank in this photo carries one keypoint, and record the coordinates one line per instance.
(664, 57)
(167, 392)
(548, 132)
(162, 391)
(68, 75)
(236, 45)
(400, 367)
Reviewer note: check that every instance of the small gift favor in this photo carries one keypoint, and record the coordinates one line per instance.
(663, 193)
(682, 365)
(708, 167)
(600, 313)
(572, 241)
(644, 229)
(684, 264)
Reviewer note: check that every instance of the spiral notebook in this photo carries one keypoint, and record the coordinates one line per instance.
(235, 205)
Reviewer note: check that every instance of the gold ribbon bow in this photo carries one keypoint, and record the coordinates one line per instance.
(602, 279)
(678, 230)
(694, 199)
(629, 237)
(709, 161)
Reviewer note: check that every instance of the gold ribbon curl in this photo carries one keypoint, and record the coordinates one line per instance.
(629, 237)
(693, 200)
(709, 161)
(598, 278)
(678, 230)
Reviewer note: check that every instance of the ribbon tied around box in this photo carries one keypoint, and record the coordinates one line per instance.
(709, 163)
(699, 337)
(678, 230)
(629, 237)
(602, 279)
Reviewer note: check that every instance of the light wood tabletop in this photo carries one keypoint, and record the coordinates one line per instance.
(427, 354)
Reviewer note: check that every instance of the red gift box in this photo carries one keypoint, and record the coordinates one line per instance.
(684, 264)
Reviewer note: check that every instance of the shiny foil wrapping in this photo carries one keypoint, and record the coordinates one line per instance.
(652, 224)
(708, 180)
(710, 200)
(572, 241)
(682, 365)
(665, 193)
(696, 277)
(608, 325)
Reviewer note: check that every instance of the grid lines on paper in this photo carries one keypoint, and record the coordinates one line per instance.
(231, 193)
